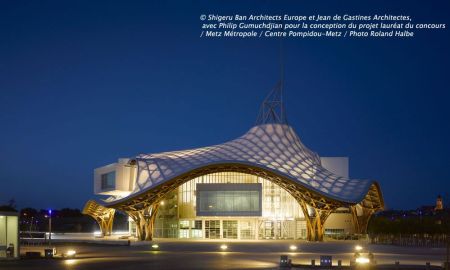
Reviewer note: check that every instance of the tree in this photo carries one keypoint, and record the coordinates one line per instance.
(12, 203)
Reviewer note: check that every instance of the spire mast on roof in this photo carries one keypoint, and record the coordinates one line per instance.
(272, 108)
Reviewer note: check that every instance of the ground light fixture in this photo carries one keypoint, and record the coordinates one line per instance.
(223, 247)
(293, 247)
(362, 260)
(358, 248)
(70, 254)
(155, 246)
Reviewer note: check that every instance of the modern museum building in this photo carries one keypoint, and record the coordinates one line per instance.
(265, 184)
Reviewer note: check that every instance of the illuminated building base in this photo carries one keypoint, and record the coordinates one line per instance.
(280, 215)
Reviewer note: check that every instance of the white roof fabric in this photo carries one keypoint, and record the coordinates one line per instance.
(274, 147)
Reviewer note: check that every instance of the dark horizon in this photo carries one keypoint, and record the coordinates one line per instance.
(83, 84)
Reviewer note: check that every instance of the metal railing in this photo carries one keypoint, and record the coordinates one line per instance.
(414, 240)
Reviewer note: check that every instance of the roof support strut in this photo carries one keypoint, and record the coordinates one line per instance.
(145, 220)
(315, 222)
(103, 215)
(361, 222)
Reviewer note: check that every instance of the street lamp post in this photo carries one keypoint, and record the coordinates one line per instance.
(31, 224)
(448, 253)
(49, 227)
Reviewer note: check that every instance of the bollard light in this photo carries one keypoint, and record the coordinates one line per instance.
(284, 261)
(70, 253)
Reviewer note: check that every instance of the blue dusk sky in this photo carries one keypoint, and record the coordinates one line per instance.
(83, 83)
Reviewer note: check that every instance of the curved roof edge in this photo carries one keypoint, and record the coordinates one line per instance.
(371, 198)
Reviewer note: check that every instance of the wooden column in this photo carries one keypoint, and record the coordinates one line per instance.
(144, 219)
(314, 224)
(108, 222)
(320, 218)
(103, 216)
(360, 222)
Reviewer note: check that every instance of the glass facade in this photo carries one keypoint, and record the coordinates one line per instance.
(212, 229)
(167, 224)
(271, 212)
(108, 180)
(228, 200)
(334, 231)
(230, 229)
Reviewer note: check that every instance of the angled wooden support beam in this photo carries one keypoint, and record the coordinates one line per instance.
(310, 231)
(321, 216)
(355, 220)
(314, 223)
(360, 222)
(107, 221)
(363, 220)
(103, 215)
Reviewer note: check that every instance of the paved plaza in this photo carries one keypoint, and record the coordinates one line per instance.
(177, 254)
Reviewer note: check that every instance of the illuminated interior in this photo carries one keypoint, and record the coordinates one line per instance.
(9, 231)
(281, 216)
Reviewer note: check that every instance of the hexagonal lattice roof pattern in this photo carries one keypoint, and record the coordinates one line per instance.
(274, 147)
